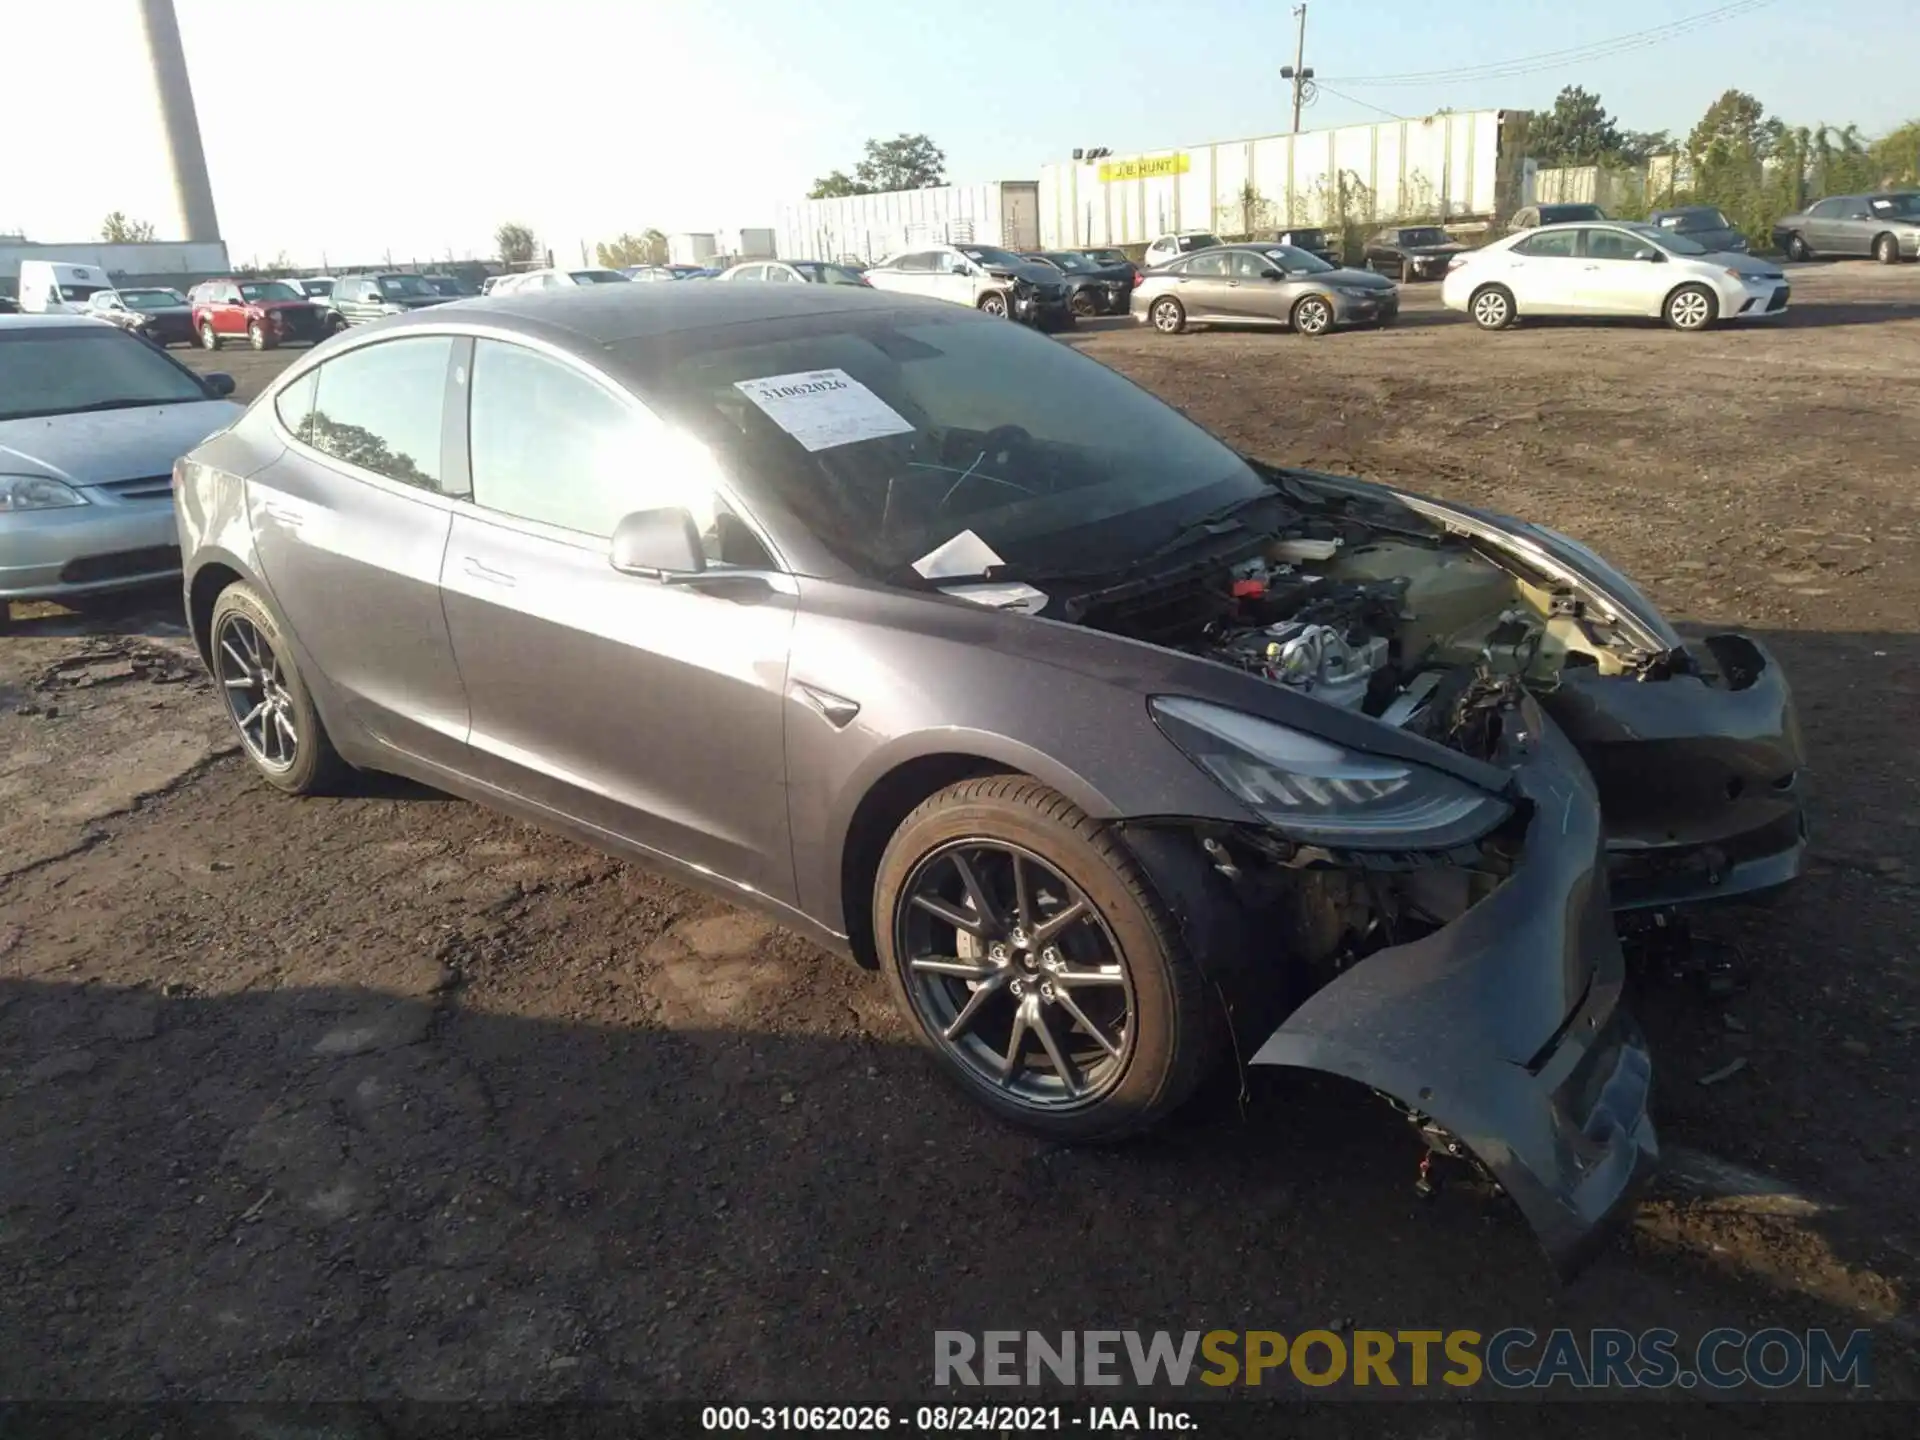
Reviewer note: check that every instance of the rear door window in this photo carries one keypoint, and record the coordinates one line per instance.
(1549, 245)
(382, 408)
(1208, 263)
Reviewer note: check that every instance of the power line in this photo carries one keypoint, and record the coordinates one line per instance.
(1363, 104)
(1575, 54)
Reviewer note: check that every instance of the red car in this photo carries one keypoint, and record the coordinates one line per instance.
(266, 312)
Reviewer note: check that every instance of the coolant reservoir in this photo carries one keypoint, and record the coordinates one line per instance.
(1452, 596)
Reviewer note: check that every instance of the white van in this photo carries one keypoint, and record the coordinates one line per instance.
(57, 287)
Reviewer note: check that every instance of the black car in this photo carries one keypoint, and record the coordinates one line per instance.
(1312, 240)
(1702, 224)
(1412, 252)
(1092, 288)
(451, 286)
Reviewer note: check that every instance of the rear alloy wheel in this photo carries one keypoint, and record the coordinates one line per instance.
(266, 700)
(208, 340)
(1492, 307)
(257, 335)
(994, 302)
(1887, 250)
(1168, 316)
(1797, 249)
(1029, 951)
(1691, 307)
(1313, 316)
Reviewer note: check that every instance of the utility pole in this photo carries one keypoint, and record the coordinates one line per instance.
(1297, 72)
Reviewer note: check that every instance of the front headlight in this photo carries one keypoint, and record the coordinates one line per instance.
(1316, 792)
(1358, 292)
(36, 492)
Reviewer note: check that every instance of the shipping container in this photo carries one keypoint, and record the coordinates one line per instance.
(691, 249)
(1451, 167)
(751, 243)
(869, 228)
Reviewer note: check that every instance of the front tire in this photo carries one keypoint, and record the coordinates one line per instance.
(1168, 315)
(1313, 316)
(1886, 250)
(1797, 249)
(1492, 307)
(280, 730)
(1028, 950)
(994, 302)
(1691, 307)
(1082, 304)
(257, 335)
(208, 339)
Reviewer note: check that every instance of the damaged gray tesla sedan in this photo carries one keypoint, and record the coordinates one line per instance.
(1118, 753)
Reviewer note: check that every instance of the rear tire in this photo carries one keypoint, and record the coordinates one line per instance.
(245, 642)
(209, 340)
(1155, 1031)
(1169, 316)
(1491, 307)
(1691, 307)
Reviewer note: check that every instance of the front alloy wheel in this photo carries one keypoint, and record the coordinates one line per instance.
(1030, 952)
(1313, 316)
(1690, 308)
(994, 302)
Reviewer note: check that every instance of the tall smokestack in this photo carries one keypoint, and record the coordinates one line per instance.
(192, 191)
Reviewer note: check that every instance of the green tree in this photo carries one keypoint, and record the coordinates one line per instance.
(649, 247)
(906, 162)
(117, 229)
(1738, 124)
(1577, 131)
(1896, 155)
(515, 243)
(837, 183)
(1639, 146)
(1841, 161)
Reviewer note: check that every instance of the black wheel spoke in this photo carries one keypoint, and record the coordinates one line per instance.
(990, 921)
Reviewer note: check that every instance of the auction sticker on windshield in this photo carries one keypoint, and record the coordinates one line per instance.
(824, 408)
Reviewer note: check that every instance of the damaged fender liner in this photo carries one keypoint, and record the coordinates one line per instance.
(1504, 1027)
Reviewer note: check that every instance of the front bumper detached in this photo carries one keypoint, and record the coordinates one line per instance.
(1505, 1029)
(1700, 779)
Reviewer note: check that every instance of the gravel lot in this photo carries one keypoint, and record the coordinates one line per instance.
(390, 1097)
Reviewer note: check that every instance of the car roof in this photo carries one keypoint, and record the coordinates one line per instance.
(603, 314)
(50, 322)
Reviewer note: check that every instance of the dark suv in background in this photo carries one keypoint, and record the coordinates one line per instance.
(358, 299)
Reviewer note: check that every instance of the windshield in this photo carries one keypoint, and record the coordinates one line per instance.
(1071, 262)
(597, 277)
(152, 299)
(1424, 235)
(1688, 220)
(988, 255)
(1667, 240)
(405, 287)
(1295, 261)
(268, 290)
(1305, 237)
(58, 370)
(1895, 205)
(82, 292)
(822, 274)
(317, 289)
(1054, 460)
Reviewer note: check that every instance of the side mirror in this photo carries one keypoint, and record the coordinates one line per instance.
(657, 543)
(217, 385)
(1649, 254)
(1273, 275)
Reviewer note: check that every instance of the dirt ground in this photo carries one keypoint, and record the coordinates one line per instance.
(390, 1097)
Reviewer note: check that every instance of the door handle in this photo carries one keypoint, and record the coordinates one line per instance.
(487, 573)
(1589, 267)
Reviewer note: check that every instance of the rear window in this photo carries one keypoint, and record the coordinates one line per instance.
(258, 290)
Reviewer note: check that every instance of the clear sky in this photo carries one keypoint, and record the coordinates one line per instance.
(357, 127)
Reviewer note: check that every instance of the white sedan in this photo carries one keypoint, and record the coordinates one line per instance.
(1614, 267)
